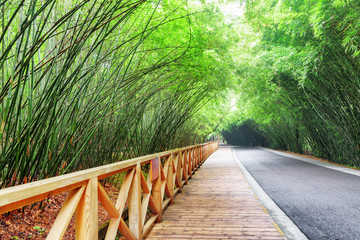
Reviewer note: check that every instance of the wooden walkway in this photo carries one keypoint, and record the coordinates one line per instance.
(217, 204)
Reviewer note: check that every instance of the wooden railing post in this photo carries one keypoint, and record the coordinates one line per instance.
(206, 150)
(199, 156)
(135, 225)
(190, 162)
(157, 189)
(185, 165)
(118, 222)
(86, 216)
(195, 159)
(170, 178)
(67, 211)
(85, 192)
(179, 172)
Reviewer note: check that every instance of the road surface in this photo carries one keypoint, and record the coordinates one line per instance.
(323, 203)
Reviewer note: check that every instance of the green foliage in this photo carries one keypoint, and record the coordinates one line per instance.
(41, 230)
(86, 83)
(299, 79)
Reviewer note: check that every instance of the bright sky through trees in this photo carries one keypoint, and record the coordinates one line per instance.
(233, 9)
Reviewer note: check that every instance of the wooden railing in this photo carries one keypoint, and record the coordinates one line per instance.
(167, 174)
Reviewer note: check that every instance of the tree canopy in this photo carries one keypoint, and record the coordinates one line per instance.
(299, 76)
(85, 83)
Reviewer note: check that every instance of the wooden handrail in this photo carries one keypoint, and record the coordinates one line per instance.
(168, 172)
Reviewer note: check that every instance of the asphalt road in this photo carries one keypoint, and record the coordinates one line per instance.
(323, 203)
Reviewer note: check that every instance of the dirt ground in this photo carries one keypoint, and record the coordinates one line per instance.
(35, 222)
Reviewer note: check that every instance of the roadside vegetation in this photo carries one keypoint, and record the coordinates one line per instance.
(86, 83)
(298, 70)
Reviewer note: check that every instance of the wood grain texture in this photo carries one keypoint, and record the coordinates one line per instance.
(170, 178)
(146, 199)
(124, 229)
(173, 169)
(15, 197)
(157, 200)
(120, 205)
(67, 211)
(106, 202)
(135, 224)
(149, 225)
(178, 177)
(86, 217)
(216, 204)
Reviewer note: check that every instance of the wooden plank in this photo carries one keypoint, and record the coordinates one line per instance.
(196, 160)
(163, 181)
(175, 172)
(154, 168)
(106, 202)
(218, 205)
(58, 229)
(207, 237)
(87, 202)
(185, 165)
(179, 171)
(176, 191)
(86, 220)
(144, 183)
(135, 224)
(152, 206)
(156, 199)
(18, 196)
(190, 163)
(124, 229)
(168, 194)
(166, 167)
(183, 183)
(120, 204)
(149, 225)
(5, 206)
(36, 191)
(165, 203)
(170, 179)
(146, 199)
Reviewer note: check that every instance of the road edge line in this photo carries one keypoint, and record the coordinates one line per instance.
(291, 231)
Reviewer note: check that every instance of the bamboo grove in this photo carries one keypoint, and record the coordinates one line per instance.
(89, 82)
(85, 83)
(299, 76)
